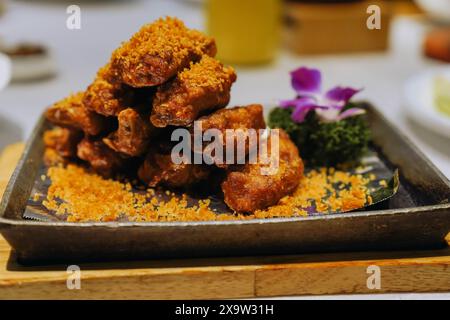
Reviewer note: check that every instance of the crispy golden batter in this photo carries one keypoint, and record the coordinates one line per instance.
(63, 140)
(159, 169)
(102, 159)
(244, 117)
(70, 112)
(237, 118)
(205, 86)
(248, 190)
(106, 97)
(53, 158)
(158, 51)
(133, 135)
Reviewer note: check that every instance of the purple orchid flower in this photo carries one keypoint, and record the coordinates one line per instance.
(308, 85)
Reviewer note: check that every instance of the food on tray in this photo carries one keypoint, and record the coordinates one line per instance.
(124, 127)
(159, 169)
(159, 51)
(247, 189)
(106, 97)
(70, 112)
(100, 157)
(442, 94)
(133, 134)
(89, 197)
(327, 128)
(324, 143)
(205, 86)
(63, 140)
(237, 118)
(53, 158)
(244, 117)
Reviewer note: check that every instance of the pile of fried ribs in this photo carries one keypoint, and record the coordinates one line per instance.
(165, 77)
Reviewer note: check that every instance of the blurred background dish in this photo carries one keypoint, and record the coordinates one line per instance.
(427, 100)
(5, 70)
(437, 44)
(438, 10)
(30, 62)
(441, 88)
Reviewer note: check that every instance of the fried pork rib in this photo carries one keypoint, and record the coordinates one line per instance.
(70, 112)
(159, 169)
(246, 189)
(245, 117)
(63, 140)
(204, 87)
(105, 96)
(237, 118)
(158, 51)
(53, 158)
(102, 159)
(133, 135)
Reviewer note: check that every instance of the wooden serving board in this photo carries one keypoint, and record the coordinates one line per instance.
(245, 277)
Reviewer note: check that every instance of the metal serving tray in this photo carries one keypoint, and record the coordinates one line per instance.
(418, 216)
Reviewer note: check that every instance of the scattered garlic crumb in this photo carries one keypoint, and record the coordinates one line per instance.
(89, 197)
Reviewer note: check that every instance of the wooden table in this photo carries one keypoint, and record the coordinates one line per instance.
(332, 273)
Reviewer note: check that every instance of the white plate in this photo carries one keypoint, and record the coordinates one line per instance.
(5, 70)
(33, 67)
(438, 10)
(419, 102)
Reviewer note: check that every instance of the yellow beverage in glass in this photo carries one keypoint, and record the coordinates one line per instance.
(246, 31)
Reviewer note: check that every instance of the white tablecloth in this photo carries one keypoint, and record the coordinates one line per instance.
(104, 24)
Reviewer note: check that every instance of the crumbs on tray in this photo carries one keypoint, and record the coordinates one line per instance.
(85, 196)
